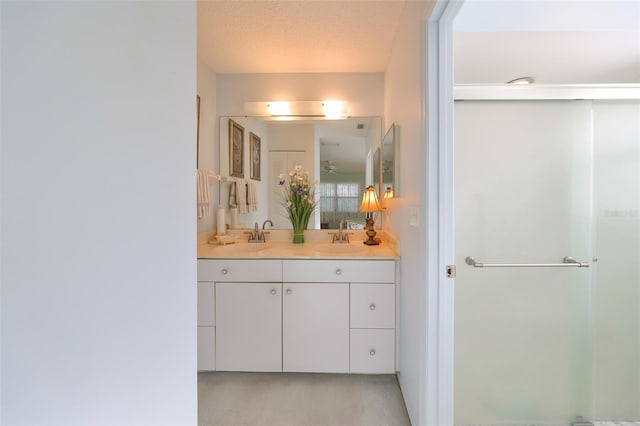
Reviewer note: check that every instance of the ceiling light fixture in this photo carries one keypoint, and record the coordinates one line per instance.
(333, 109)
(521, 80)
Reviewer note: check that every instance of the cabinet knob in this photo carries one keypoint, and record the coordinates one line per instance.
(288, 291)
(372, 352)
(273, 291)
(372, 306)
(338, 271)
(224, 271)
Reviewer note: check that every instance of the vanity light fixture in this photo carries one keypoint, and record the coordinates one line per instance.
(334, 109)
(278, 108)
(370, 204)
(291, 110)
(521, 81)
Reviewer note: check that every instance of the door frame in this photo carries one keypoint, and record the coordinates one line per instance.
(438, 407)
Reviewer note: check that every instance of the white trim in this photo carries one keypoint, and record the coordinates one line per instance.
(546, 92)
(439, 350)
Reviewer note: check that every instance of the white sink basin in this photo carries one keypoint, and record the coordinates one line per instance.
(241, 248)
(340, 248)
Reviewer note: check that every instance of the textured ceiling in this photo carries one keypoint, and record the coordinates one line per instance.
(271, 36)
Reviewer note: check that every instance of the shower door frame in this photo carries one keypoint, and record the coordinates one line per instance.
(437, 405)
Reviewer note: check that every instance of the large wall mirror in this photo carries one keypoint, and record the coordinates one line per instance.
(333, 152)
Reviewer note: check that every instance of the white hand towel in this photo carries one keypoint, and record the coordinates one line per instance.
(252, 196)
(241, 195)
(203, 194)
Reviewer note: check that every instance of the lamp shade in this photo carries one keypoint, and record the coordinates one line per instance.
(388, 193)
(370, 201)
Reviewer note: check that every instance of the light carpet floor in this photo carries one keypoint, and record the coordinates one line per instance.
(299, 399)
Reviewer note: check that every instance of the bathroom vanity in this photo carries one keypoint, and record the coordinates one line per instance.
(313, 307)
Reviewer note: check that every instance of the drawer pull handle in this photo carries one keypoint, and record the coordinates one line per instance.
(338, 271)
(288, 291)
(273, 291)
(372, 352)
(224, 271)
(372, 306)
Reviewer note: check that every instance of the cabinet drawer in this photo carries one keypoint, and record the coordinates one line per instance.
(235, 270)
(206, 348)
(206, 304)
(373, 305)
(368, 271)
(372, 351)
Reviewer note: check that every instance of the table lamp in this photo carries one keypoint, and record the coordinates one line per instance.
(369, 205)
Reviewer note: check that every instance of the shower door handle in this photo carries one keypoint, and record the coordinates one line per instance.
(567, 262)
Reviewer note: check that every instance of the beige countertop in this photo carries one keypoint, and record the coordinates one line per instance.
(317, 245)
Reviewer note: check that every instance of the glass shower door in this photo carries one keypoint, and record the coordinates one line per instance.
(522, 196)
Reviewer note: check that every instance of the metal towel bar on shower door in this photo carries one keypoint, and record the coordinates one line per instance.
(567, 262)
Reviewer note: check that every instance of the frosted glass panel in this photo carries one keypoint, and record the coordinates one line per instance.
(522, 195)
(616, 291)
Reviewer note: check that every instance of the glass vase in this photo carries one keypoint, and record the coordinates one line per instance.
(298, 236)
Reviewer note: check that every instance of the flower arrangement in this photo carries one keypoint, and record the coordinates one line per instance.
(299, 200)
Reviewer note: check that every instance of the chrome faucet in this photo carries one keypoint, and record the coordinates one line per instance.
(256, 236)
(340, 236)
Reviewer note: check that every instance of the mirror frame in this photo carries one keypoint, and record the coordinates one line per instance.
(391, 135)
(376, 167)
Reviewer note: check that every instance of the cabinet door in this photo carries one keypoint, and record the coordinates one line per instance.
(206, 305)
(248, 327)
(315, 327)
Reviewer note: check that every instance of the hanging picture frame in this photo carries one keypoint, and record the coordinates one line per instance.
(236, 149)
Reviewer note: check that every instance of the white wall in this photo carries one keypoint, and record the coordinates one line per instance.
(404, 82)
(1, 274)
(207, 158)
(98, 205)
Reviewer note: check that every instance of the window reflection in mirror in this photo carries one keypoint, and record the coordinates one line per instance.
(333, 152)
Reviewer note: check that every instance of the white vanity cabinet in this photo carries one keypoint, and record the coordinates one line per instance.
(248, 318)
(297, 315)
(315, 327)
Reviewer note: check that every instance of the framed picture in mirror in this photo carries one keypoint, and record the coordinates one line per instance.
(255, 155)
(236, 149)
